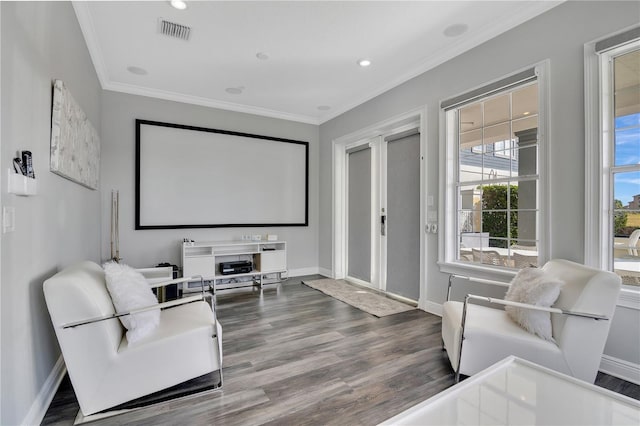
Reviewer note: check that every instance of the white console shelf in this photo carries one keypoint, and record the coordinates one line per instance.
(269, 260)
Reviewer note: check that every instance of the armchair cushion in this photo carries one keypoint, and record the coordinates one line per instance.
(535, 287)
(130, 290)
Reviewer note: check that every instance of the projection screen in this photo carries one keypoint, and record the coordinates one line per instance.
(195, 177)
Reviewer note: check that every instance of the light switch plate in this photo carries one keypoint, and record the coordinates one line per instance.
(8, 219)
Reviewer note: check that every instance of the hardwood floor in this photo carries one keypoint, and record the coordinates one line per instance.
(293, 355)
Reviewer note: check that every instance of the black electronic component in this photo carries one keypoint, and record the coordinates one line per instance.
(237, 267)
(27, 164)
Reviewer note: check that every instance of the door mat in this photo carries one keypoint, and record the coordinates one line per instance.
(358, 297)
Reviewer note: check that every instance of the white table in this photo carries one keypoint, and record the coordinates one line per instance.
(518, 392)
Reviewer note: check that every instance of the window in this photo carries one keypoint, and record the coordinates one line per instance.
(493, 173)
(613, 228)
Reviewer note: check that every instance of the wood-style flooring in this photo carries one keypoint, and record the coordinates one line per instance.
(294, 356)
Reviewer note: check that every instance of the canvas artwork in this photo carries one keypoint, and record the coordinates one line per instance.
(75, 144)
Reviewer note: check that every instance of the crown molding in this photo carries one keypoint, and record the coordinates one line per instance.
(91, 39)
(482, 35)
(87, 27)
(207, 102)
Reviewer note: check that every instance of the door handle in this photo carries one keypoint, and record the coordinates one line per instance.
(383, 224)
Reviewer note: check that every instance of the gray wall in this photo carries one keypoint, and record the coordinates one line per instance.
(149, 247)
(61, 225)
(558, 35)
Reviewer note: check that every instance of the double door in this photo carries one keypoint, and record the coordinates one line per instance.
(383, 217)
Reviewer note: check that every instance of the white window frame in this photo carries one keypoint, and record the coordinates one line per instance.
(447, 244)
(599, 158)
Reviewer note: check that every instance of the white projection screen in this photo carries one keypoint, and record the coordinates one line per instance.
(194, 177)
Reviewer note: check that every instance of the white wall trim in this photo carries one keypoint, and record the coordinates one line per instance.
(629, 299)
(326, 272)
(313, 270)
(361, 283)
(432, 307)
(83, 14)
(45, 396)
(299, 272)
(500, 25)
(207, 102)
(91, 40)
(621, 369)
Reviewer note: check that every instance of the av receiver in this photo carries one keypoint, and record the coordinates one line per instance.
(237, 267)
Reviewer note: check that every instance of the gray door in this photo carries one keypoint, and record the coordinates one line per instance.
(403, 215)
(359, 217)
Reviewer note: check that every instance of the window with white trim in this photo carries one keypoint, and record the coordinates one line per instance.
(493, 173)
(616, 209)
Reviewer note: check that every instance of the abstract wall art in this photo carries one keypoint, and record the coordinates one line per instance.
(75, 144)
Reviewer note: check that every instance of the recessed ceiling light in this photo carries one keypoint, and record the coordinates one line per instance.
(324, 107)
(137, 70)
(364, 62)
(262, 56)
(526, 113)
(234, 90)
(178, 4)
(455, 30)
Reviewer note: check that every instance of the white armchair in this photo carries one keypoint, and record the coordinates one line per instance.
(476, 337)
(104, 369)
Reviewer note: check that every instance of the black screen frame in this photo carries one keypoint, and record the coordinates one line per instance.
(140, 226)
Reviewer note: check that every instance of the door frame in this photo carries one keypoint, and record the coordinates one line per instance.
(372, 144)
(374, 133)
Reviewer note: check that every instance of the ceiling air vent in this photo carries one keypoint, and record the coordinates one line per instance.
(174, 30)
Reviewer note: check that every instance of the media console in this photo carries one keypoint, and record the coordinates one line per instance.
(268, 260)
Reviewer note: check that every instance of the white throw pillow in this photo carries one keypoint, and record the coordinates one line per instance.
(533, 286)
(130, 290)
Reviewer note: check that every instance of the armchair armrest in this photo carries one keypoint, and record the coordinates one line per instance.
(479, 280)
(165, 305)
(503, 302)
(177, 281)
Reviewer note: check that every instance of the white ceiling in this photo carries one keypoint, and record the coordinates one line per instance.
(313, 49)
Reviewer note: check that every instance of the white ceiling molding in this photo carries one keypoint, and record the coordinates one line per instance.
(499, 23)
(206, 102)
(90, 38)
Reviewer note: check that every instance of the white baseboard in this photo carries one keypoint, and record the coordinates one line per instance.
(45, 396)
(326, 272)
(629, 299)
(304, 271)
(620, 368)
(432, 307)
